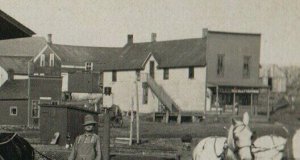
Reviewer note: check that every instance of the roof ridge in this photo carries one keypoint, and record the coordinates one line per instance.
(68, 45)
(172, 40)
(238, 33)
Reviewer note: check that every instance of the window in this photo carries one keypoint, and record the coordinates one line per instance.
(151, 71)
(220, 65)
(145, 93)
(246, 67)
(54, 102)
(114, 76)
(13, 111)
(88, 66)
(42, 60)
(51, 60)
(138, 75)
(101, 79)
(191, 72)
(35, 109)
(166, 73)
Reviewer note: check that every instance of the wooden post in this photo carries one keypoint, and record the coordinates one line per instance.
(233, 105)
(256, 105)
(167, 116)
(131, 123)
(268, 109)
(106, 137)
(179, 118)
(217, 101)
(251, 104)
(153, 116)
(137, 115)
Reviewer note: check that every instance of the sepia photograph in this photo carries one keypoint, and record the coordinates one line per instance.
(149, 80)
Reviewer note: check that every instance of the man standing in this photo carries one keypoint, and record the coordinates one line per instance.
(87, 145)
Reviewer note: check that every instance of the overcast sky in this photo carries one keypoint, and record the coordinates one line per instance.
(107, 23)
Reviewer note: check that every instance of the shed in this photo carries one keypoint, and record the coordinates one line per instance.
(65, 119)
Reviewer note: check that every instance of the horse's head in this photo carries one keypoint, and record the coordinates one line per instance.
(240, 138)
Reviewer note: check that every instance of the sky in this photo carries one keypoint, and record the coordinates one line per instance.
(108, 22)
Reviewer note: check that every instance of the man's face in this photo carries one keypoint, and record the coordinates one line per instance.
(89, 127)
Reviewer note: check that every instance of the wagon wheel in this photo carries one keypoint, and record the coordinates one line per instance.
(117, 122)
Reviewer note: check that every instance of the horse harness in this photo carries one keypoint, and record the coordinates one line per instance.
(237, 148)
(222, 155)
(263, 149)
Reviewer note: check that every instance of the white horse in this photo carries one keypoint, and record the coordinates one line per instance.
(269, 147)
(236, 146)
(296, 144)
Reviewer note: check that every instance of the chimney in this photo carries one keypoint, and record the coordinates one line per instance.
(49, 40)
(204, 32)
(129, 39)
(153, 37)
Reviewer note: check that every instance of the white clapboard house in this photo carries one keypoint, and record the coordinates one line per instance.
(158, 76)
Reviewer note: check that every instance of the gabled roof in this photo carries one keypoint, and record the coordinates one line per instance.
(169, 54)
(15, 23)
(180, 53)
(15, 89)
(18, 64)
(102, 57)
(29, 47)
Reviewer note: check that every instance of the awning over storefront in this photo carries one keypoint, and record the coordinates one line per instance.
(237, 85)
(238, 90)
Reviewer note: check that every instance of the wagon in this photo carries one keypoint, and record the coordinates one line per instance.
(115, 115)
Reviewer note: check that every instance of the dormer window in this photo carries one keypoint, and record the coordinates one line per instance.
(88, 66)
(51, 61)
(42, 60)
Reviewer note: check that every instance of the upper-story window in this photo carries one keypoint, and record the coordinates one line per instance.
(13, 111)
(35, 111)
(246, 67)
(145, 93)
(220, 65)
(51, 61)
(42, 60)
(88, 66)
(191, 72)
(166, 73)
(114, 76)
(138, 75)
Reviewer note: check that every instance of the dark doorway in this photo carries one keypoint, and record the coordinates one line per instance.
(270, 84)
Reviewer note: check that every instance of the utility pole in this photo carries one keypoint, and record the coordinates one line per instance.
(131, 122)
(268, 110)
(137, 114)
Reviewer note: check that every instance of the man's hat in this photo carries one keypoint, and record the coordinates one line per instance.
(89, 119)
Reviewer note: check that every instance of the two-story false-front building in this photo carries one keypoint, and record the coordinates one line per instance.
(232, 71)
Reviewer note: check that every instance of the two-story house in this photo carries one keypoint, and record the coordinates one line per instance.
(31, 76)
(158, 76)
